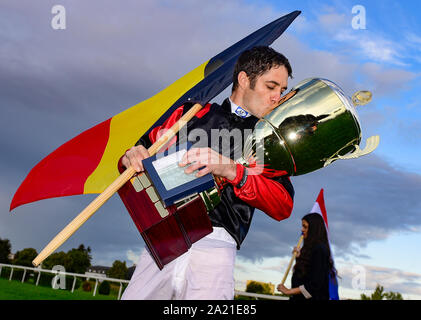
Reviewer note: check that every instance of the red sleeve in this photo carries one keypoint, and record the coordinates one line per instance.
(158, 131)
(264, 193)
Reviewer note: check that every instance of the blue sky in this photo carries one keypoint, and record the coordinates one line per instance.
(56, 83)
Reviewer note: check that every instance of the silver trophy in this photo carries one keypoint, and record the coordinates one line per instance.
(315, 124)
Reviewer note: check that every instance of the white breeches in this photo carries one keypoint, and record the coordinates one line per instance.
(206, 271)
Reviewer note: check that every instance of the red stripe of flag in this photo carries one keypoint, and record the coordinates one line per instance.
(64, 171)
(320, 208)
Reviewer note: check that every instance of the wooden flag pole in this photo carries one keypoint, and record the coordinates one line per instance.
(294, 255)
(77, 222)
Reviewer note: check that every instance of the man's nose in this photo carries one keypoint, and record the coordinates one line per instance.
(276, 97)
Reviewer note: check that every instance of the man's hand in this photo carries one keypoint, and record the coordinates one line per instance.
(212, 162)
(134, 156)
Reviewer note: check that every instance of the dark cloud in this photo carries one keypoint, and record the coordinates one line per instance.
(55, 84)
(366, 200)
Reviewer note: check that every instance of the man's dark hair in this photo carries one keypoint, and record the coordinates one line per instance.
(256, 61)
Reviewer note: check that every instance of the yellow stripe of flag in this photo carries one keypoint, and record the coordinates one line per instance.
(128, 126)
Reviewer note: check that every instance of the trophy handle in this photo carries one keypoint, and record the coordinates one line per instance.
(370, 145)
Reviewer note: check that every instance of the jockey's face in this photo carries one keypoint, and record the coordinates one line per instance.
(264, 96)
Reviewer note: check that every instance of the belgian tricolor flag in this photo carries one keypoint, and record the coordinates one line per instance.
(88, 162)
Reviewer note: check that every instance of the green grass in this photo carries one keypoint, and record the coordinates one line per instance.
(15, 290)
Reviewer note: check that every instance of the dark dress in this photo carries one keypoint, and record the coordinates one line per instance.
(316, 279)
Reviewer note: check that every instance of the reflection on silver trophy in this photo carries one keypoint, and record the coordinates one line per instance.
(314, 125)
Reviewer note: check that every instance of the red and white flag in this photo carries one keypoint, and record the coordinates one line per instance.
(320, 208)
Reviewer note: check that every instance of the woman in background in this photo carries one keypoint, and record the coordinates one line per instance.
(314, 264)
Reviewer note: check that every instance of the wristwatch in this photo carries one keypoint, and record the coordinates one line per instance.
(243, 179)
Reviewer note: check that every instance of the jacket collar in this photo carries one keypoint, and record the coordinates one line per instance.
(226, 107)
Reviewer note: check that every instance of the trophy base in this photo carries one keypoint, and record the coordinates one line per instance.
(168, 232)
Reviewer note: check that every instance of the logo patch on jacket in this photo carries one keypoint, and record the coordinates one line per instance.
(241, 112)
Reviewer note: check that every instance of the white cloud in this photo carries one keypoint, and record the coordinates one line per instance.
(414, 39)
(132, 256)
(332, 21)
(362, 43)
(382, 51)
(371, 46)
(392, 279)
(384, 80)
(266, 270)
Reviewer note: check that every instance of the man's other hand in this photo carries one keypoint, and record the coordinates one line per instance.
(134, 156)
(210, 161)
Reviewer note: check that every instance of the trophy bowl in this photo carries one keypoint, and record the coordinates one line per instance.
(315, 124)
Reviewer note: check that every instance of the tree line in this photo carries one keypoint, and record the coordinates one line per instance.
(76, 260)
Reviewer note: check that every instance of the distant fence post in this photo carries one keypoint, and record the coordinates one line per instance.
(24, 274)
(39, 275)
(96, 285)
(74, 283)
(55, 272)
(119, 291)
(121, 281)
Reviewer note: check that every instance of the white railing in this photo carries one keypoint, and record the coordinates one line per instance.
(101, 278)
(58, 272)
